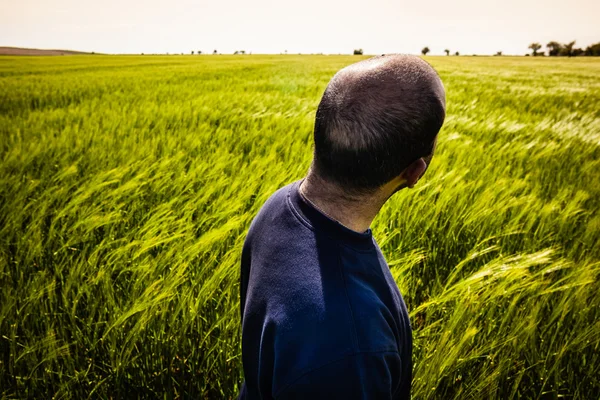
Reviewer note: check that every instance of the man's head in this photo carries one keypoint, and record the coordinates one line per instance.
(377, 122)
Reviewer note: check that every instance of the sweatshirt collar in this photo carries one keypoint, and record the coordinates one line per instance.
(322, 223)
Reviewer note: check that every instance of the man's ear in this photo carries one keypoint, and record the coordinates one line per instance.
(413, 172)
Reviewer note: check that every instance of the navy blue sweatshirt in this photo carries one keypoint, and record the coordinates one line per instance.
(322, 317)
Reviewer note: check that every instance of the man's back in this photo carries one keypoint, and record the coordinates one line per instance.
(321, 314)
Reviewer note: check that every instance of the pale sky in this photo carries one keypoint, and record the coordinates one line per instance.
(306, 26)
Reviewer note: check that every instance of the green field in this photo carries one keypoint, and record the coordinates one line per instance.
(127, 184)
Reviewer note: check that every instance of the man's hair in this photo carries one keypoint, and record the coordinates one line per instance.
(375, 118)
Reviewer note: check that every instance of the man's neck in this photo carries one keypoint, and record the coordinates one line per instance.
(354, 212)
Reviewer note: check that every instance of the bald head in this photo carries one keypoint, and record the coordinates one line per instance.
(375, 118)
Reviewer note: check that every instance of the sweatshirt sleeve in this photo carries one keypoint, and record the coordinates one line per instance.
(365, 375)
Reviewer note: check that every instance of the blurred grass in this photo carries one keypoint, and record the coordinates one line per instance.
(127, 185)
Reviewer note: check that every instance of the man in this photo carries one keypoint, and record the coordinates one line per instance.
(322, 317)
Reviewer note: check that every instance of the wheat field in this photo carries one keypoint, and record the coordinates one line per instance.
(128, 184)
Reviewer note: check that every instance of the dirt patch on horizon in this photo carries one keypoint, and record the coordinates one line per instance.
(18, 51)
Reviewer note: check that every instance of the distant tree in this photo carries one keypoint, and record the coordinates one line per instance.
(498, 53)
(358, 52)
(236, 52)
(553, 48)
(199, 52)
(192, 52)
(534, 48)
(457, 54)
(285, 52)
(578, 52)
(567, 49)
(242, 51)
(425, 50)
(447, 52)
(593, 50)
(215, 51)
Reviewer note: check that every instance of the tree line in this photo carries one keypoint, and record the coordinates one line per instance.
(426, 50)
(556, 49)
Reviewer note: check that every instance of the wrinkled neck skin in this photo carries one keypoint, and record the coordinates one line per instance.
(354, 212)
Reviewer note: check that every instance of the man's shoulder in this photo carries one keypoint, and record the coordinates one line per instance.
(273, 211)
(280, 195)
(277, 200)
